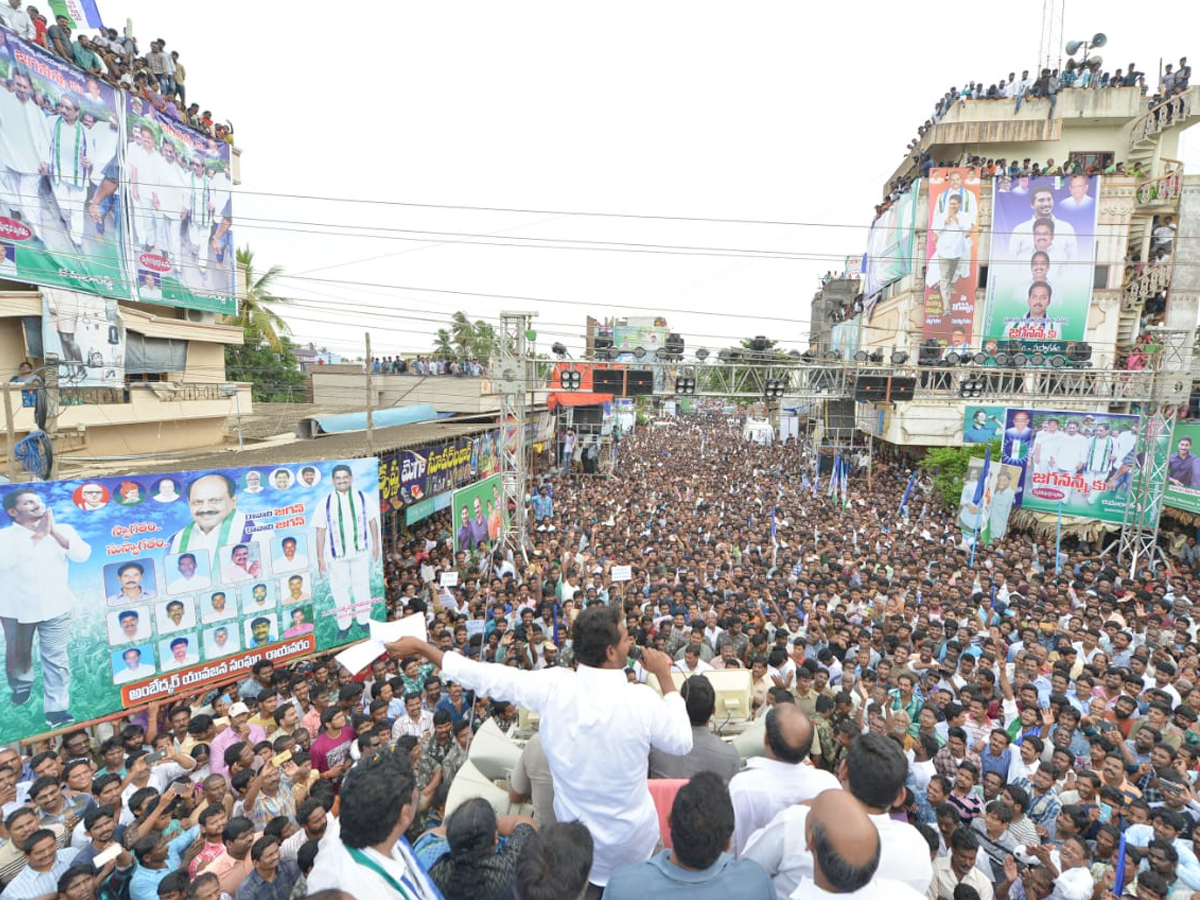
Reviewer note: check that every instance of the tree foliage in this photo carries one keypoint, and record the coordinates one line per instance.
(275, 373)
(465, 339)
(255, 308)
(947, 466)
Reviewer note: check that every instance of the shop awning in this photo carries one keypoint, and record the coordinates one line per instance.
(577, 398)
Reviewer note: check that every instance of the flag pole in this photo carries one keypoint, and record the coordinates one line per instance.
(1058, 542)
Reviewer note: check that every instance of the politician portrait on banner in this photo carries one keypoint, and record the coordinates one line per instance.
(952, 270)
(60, 223)
(1076, 463)
(1042, 261)
(111, 599)
(179, 202)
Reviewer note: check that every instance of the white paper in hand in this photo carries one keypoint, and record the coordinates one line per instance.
(409, 626)
(358, 656)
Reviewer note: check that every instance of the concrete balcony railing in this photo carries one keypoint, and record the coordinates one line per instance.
(1151, 281)
(1167, 114)
(1164, 190)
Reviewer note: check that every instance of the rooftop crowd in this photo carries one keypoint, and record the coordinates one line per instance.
(427, 365)
(1023, 728)
(157, 77)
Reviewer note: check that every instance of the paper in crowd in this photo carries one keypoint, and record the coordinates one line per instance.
(358, 656)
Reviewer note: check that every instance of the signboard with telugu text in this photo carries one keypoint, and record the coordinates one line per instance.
(139, 587)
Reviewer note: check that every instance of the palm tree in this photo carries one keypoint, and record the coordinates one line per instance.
(254, 309)
(443, 344)
(462, 332)
(485, 343)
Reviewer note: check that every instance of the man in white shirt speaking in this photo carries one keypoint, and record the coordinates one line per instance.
(597, 729)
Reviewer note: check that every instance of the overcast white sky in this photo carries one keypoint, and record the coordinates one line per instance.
(769, 111)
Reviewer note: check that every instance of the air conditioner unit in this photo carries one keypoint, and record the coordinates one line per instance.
(201, 316)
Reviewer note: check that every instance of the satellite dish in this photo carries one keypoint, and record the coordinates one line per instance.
(1073, 47)
(1099, 39)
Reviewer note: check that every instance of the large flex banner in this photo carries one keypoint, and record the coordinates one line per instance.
(1083, 463)
(952, 257)
(1042, 262)
(60, 221)
(889, 255)
(1183, 468)
(179, 199)
(480, 515)
(118, 591)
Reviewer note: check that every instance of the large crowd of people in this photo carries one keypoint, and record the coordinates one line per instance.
(158, 76)
(428, 365)
(1024, 727)
(1048, 83)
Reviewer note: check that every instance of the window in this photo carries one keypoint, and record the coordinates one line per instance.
(153, 358)
(1100, 278)
(1099, 159)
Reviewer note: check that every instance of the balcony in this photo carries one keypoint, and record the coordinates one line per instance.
(140, 418)
(1164, 191)
(1147, 283)
(1166, 115)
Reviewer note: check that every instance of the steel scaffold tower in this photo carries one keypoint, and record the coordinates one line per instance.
(513, 382)
(1170, 385)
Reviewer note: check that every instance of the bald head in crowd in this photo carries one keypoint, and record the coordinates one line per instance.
(789, 733)
(843, 842)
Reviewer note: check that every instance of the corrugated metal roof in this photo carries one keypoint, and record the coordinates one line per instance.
(283, 451)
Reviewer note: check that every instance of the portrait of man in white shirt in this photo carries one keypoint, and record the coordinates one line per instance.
(133, 664)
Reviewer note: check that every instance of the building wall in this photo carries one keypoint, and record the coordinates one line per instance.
(190, 411)
(446, 393)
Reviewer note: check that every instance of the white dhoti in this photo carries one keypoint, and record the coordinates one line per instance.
(169, 238)
(19, 193)
(145, 223)
(350, 584)
(71, 201)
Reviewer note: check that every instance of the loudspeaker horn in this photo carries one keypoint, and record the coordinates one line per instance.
(1073, 47)
(1099, 39)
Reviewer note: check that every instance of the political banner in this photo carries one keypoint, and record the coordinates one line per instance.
(992, 513)
(844, 338)
(139, 587)
(480, 515)
(1042, 262)
(1083, 462)
(889, 255)
(982, 423)
(178, 196)
(952, 257)
(412, 476)
(86, 334)
(1183, 468)
(59, 171)
(485, 455)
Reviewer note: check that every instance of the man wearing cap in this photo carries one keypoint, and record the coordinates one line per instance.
(36, 599)
(239, 731)
(130, 590)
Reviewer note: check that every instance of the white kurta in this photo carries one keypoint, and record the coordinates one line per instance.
(780, 848)
(765, 787)
(597, 730)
